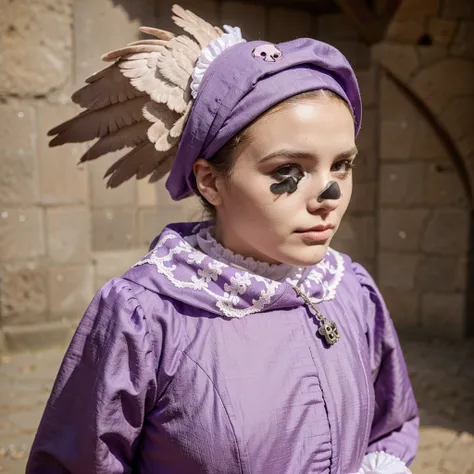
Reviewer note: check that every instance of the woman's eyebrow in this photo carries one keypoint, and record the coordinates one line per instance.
(348, 154)
(285, 153)
(293, 154)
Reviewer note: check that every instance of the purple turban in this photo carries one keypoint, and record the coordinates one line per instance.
(238, 87)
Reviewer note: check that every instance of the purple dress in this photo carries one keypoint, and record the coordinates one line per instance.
(188, 365)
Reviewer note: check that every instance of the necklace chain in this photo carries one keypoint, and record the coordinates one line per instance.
(327, 329)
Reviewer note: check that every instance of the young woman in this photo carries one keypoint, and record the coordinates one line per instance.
(244, 344)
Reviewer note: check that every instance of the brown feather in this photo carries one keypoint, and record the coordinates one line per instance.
(119, 53)
(106, 87)
(162, 168)
(203, 31)
(92, 124)
(133, 135)
(157, 33)
(149, 166)
(176, 68)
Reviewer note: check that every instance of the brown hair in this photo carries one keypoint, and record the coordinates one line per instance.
(223, 161)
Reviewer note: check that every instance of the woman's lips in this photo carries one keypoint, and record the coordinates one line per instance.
(317, 234)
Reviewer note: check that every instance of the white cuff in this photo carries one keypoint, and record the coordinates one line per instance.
(382, 463)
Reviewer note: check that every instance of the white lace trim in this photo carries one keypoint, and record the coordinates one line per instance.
(211, 270)
(380, 462)
(205, 241)
(231, 37)
(240, 281)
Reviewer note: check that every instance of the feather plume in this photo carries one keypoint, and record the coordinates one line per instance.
(92, 124)
(106, 87)
(142, 100)
(161, 169)
(132, 135)
(140, 48)
(202, 31)
(149, 166)
(157, 33)
(175, 67)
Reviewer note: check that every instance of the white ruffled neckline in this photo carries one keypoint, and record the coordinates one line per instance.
(205, 241)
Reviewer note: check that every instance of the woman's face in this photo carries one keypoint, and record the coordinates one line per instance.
(312, 139)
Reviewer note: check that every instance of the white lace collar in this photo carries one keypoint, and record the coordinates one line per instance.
(205, 241)
(175, 268)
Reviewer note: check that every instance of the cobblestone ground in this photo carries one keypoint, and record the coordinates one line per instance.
(442, 375)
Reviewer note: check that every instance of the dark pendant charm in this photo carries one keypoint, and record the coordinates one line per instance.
(328, 330)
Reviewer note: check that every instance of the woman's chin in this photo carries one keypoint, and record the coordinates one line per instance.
(306, 256)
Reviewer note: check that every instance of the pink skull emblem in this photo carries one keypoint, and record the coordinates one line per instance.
(267, 52)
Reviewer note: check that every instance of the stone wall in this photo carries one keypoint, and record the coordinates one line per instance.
(427, 165)
(62, 233)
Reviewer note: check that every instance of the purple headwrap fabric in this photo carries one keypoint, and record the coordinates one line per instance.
(237, 88)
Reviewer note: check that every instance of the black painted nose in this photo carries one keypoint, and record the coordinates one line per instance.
(331, 191)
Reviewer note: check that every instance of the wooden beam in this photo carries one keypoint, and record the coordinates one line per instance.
(367, 24)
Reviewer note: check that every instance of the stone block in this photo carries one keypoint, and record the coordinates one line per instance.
(356, 237)
(366, 167)
(21, 233)
(428, 144)
(463, 44)
(400, 59)
(250, 17)
(108, 24)
(395, 105)
(147, 193)
(443, 186)
(401, 229)
(113, 229)
(401, 184)
(24, 295)
(285, 24)
(357, 53)
(438, 274)
(442, 31)
(406, 31)
(435, 84)
(458, 10)
(152, 222)
(429, 55)
(396, 139)
(443, 315)
(36, 46)
(113, 264)
(335, 26)
(447, 232)
(68, 236)
(398, 270)
(206, 9)
(71, 288)
(101, 196)
(417, 9)
(61, 180)
(363, 197)
(37, 336)
(404, 308)
(368, 82)
(18, 165)
(367, 138)
(458, 116)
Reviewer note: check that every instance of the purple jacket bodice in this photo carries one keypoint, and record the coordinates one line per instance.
(186, 365)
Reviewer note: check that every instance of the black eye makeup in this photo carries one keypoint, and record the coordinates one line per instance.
(290, 175)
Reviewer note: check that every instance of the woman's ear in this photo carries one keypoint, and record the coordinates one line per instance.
(206, 181)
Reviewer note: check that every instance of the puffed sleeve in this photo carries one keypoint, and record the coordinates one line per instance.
(396, 421)
(104, 388)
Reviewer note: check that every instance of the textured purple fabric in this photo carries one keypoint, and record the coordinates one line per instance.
(237, 88)
(156, 380)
